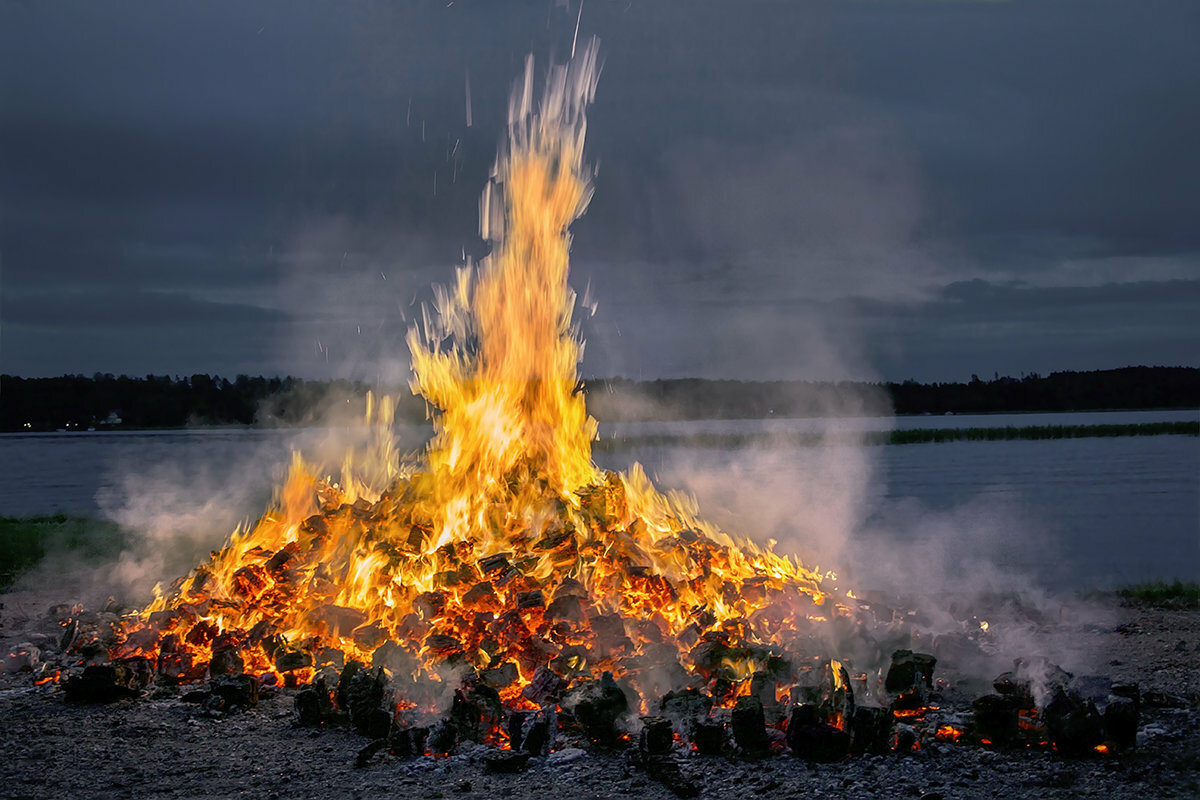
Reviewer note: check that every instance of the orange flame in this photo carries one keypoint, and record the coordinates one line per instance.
(503, 548)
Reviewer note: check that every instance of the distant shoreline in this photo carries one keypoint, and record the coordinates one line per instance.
(106, 402)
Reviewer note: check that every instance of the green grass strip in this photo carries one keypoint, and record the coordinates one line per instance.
(1160, 593)
(25, 541)
(915, 436)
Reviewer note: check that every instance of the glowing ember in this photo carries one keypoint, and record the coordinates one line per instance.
(503, 549)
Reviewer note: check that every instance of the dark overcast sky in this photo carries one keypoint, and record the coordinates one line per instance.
(885, 189)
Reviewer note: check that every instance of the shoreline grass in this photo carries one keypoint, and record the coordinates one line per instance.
(1177, 594)
(900, 437)
(26, 541)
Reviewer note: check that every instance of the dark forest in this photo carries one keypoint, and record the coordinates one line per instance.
(77, 402)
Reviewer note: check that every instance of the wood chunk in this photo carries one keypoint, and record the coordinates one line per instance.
(235, 691)
(708, 735)
(870, 730)
(368, 752)
(566, 608)
(749, 726)
(544, 687)
(499, 677)
(1121, 722)
(505, 762)
(598, 706)
(531, 599)
(1072, 723)
(482, 597)
(996, 719)
(289, 660)
(909, 670)
(656, 737)
(815, 741)
(104, 683)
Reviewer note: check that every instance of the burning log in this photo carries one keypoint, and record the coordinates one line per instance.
(909, 677)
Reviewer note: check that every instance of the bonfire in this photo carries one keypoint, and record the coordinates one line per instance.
(501, 550)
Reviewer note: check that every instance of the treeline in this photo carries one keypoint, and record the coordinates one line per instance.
(1113, 389)
(76, 402)
(104, 401)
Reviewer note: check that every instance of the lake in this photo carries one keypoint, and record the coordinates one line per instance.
(1056, 513)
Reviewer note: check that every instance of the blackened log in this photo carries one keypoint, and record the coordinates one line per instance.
(505, 762)
(101, 683)
(237, 691)
(708, 735)
(665, 769)
(443, 737)
(363, 697)
(818, 742)
(476, 712)
(870, 730)
(531, 599)
(537, 732)
(685, 707)
(656, 737)
(314, 704)
(905, 738)
(995, 719)
(1121, 722)
(750, 726)
(289, 660)
(598, 707)
(368, 752)
(1072, 723)
(909, 670)
(514, 726)
(226, 661)
(343, 688)
(408, 742)
(567, 608)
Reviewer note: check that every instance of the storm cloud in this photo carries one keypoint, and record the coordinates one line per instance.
(805, 189)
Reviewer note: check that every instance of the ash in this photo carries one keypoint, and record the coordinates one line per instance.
(161, 745)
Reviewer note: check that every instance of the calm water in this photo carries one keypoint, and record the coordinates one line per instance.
(1077, 512)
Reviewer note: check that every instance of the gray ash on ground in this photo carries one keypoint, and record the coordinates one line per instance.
(170, 744)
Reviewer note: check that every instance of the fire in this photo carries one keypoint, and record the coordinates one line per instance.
(502, 549)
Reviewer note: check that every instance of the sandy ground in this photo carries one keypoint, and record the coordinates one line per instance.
(159, 746)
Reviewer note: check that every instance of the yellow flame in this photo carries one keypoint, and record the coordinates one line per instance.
(446, 556)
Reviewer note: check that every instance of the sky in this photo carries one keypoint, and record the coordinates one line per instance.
(877, 190)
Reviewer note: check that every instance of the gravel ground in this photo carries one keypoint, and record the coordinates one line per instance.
(159, 746)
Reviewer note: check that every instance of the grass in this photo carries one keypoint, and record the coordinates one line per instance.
(915, 436)
(1043, 432)
(1160, 593)
(25, 541)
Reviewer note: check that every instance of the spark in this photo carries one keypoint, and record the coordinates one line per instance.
(575, 38)
(468, 82)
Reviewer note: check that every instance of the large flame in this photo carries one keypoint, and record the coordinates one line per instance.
(502, 549)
